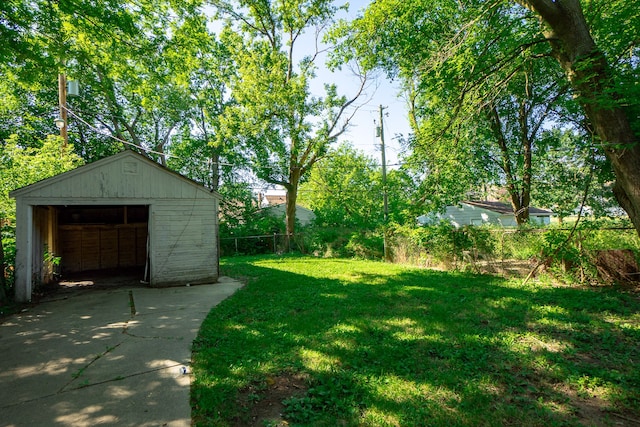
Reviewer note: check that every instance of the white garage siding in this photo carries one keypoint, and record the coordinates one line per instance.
(183, 251)
(182, 219)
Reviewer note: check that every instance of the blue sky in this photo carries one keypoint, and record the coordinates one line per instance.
(362, 134)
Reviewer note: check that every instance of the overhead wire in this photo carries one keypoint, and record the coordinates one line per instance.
(147, 150)
(255, 186)
(90, 126)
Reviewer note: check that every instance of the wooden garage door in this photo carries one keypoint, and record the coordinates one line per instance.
(99, 247)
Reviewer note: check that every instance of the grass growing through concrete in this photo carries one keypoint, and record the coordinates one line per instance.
(341, 342)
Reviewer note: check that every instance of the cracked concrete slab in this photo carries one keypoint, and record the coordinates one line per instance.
(104, 357)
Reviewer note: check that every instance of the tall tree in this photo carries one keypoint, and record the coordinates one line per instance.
(27, 108)
(136, 63)
(568, 172)
(133, 89)
(495, 142)
(465, 52)
(200, 149)
(32, 31)
(606, 86)
(284, 128)
(515, 119)
(37, 46)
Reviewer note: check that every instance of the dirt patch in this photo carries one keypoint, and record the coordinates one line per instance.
(508, 268)
(261, 402)
(592, 410)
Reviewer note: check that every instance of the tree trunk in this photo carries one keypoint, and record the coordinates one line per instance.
(526, 142)
(215, 170)
(520, 197)
(520, 209)
(588, 72)
(292, 197)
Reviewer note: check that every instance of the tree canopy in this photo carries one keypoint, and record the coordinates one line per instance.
(283, 127)
(459, 62)
(22, 166)
(524, 95)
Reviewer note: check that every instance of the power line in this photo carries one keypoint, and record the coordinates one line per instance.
(147, 150)
(90, 126)
(253, 186)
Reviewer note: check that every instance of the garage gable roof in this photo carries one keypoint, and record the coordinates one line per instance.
(123, 175)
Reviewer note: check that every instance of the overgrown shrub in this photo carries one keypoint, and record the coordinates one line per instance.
(344, 242)
(569, 251)
(608, 234)
(365, 245)
(520, 244)
(258, 224)
(477, 242)
(564, 252)
(252, 234)
(8, 241)
(482, 248)
(438, 244)
(328, 241)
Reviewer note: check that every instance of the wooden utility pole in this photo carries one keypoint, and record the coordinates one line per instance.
(387, 256)
(62, 100)
(384, 168)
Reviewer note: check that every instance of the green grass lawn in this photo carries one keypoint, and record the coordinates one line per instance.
(333, 342)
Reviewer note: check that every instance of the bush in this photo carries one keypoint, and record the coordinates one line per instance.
(344, 242)
(520, 244)
(490, 249)
(440, 243)
(259, 224)
(328, 241)
(565, 255)
(569, 254)
(365, 245)
(8, 241)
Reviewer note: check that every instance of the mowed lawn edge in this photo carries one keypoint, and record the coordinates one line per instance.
(312, 341)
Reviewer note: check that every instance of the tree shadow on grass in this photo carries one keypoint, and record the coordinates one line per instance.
(418, 347)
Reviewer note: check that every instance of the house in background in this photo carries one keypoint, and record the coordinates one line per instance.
(272, 199)
(122, 213)
(484, 212)
(304, 216)
(275, 205)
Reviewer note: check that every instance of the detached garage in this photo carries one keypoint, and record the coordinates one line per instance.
(121, 213)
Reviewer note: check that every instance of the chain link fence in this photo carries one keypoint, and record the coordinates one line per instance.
(261, 244)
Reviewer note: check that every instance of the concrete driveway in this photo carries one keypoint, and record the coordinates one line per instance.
(104, 357)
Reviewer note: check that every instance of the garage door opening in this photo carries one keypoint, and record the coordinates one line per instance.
(102, 245)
